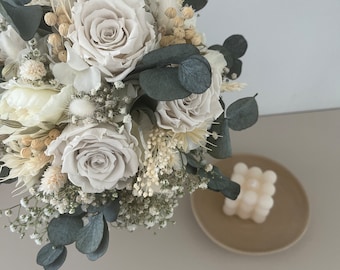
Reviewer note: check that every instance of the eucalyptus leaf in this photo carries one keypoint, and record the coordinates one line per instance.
(235, 70)
(24, 19)
(219, 141)
(49, 254)
(194, 73)
(58, 262)
(226, 53)
(221, 183)
(91, 235)
(237, 45)
(104, 244)
(242, 113)
(18, 2)
(111, 210)
(173, 54)
(196, 4)
(63, 230)
(162, 84)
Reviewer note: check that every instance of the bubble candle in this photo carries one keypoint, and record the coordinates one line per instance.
(256, 197)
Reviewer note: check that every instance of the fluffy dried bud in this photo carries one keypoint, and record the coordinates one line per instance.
(179, 32)
(178, 21)
(171, 12)
(55, 40)
(51, 19)
(188, 12)
(180, 41)
(189, 33)
(54, 133)
(196, 40)
(62, 56)
(166, 40)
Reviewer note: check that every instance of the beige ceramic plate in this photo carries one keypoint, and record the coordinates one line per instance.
(284, 226)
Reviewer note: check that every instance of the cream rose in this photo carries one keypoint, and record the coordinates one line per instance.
(112, 35)
(95, 157)
(31, 105)
(185, 115)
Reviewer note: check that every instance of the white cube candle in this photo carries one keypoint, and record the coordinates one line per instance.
(255, 199)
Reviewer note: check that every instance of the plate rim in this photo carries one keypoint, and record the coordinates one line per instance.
(256, 253)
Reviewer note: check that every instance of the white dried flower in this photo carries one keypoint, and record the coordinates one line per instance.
(32, 70)
(53, 180)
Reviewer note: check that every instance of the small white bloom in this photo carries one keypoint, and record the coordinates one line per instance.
(82, 107)
(53, 180)
(32, 70)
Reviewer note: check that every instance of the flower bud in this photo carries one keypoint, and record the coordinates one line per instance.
(50, 19)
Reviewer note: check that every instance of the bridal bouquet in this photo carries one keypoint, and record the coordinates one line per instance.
(108, 112)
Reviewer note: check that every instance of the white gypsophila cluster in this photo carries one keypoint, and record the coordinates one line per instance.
(160, 158)
(104, 105)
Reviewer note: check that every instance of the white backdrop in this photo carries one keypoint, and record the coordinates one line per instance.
(293, 58)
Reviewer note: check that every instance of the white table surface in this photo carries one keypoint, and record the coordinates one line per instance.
(308, 144)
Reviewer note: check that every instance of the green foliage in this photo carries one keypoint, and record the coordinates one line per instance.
(196, 4)
(63, 230)
(174, 54)
(162, 84)
(243, 113)
(24, 19)
(221, 183)
(90, 236)
(174, 72)
(233, 48)
(51, 257)
(219, 142)
(194, 74)
(111, 210)
(103, 246)
(236, 45)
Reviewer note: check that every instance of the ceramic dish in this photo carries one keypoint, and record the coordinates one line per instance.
(284, 226)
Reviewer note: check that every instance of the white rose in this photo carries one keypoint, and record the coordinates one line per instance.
(31, 105)
(112, 35)
(95, 157)
(185, 115)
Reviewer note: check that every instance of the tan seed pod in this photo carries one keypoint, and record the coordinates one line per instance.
(62, 56)
(38, 144)
(166, 40)
(54, 133)
(47, 141)
(55, 40)
(196, 40)
(179, 32)
(26, 141)
(26, 152)
(178, 21)
(188, 12)
(51, 19)
(179, 41)
(171, 12)
(63, 19)
(63, 29)
(190, 33)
